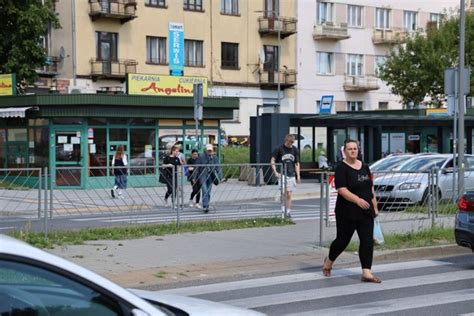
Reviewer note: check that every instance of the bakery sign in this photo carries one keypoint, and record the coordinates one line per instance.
(161, 85)
(7, 84)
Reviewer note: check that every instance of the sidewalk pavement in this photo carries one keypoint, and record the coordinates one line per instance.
(187, 258)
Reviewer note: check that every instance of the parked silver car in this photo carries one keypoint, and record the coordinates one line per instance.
(408, 185)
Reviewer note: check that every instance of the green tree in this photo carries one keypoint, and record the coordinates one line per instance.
(414, 70)
(22, 23)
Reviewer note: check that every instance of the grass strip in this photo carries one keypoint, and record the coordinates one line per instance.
(77, 237)
(443, 208)
(422, 238)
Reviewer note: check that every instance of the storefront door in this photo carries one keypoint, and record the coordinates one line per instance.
(68, 156)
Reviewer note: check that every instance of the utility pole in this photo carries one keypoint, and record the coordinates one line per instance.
(461, 95)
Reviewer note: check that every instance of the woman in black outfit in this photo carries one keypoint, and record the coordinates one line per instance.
(356, 207)
(170, 165)
(194, 181)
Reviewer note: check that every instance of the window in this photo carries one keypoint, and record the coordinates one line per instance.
(230, 55)
(354, 65)
(410, 21)
(324, 63)
(354, 15)
(193, 53)
(193, 5)
(354, 106)
(235, 117)
(29, 290)
(325, 12)
(383, 105)
(271, 58)
(379, 61)
(272, 8)
(230, 7)
(106, 46)
(382, 18)
(156, 50)
(156, 3)
(435, 19)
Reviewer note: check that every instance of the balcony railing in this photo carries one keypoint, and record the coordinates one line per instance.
(113, 69)
(122, 10)
(331, 31)
(50, 67)
(269, 79)
(270, 26)
(389, 36)
(360, 83)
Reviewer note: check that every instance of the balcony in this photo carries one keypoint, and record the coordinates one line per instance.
(271, 26)
(115, 69)
(360, 83)
(330, 31)
(122, 10)
(389, 36)
(269, 79)
(50, 67)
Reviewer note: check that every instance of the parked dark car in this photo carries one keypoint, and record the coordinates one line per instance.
(464, 225)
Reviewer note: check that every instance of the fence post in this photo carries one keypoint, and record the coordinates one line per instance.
(321, 218)
(40, 188)
(46, 203)
(326, 195)
(174, 184)
(51, 195)
(431, 197)
(284, 178)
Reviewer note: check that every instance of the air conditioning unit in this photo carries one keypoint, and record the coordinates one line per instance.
(79, 90)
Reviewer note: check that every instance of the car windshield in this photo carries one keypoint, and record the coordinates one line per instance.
(388, 163)
(423, 164)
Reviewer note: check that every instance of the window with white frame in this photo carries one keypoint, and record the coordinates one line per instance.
(156, 50)
(324, 63)
(383, 105)
(230, 7)
(193, 54)
(156, 3)
(382, 18)
(325, 11)
(410, 21)
(355, 106)
(354, 65)
(354, 15)
(435, 18)
(379, 61)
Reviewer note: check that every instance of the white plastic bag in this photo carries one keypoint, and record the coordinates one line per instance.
(378, 235)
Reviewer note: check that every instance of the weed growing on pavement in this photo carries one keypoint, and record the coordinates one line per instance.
(77, 237)
(422, 238)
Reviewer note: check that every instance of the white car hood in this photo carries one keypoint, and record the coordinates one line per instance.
(194, 306)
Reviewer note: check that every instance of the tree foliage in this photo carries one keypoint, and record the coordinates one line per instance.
(414, 70)
(22, 23)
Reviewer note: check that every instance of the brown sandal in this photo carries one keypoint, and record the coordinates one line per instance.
(326, 271)
(372, 279)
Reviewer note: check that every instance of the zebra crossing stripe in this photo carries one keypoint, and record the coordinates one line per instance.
(254, 283)
(358, 288)
(399, 305)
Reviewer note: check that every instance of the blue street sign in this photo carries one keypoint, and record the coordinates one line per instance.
(325, 105)
(176, 49)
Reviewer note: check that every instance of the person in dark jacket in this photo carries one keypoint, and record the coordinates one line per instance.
(119, 170)
(356, 207)
(170, 173)
(196, 193)
(207, 175)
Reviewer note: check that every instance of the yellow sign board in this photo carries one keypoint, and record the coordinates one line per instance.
(142, 84)
(437, 112)
(7, 84)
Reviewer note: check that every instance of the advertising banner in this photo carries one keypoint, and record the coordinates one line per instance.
(7, 84)
(176, 49)
(141, 84)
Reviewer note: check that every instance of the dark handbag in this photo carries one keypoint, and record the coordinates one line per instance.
(215, 178)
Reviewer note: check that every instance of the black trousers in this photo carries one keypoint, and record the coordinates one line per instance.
(170, 191)
(345, 229)
(196, 190)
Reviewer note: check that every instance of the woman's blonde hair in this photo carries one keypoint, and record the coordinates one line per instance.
(120, 151)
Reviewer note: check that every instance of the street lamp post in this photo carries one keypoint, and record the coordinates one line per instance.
(461, 91)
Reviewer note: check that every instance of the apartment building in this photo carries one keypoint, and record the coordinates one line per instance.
(243, 48)
(341, 44)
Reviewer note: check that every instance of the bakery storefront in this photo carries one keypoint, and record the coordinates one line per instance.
(76, 135)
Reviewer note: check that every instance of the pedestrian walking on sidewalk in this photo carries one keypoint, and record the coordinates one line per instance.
(119, 170)
(196, 193)
(356, 207)
(288, 155)
(208, 173)
(169, 170)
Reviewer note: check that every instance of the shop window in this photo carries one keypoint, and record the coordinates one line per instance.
(97, 121)
(38, 147)
(142, 151)
(118, 121)
(142, 121)
(118, 134)
(68, 121)
(167, 138)
(3, 139)
(98, 153)
(16, 134)
(38, 122)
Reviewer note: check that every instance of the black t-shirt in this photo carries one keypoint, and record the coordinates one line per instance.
(287, 156)
(170, 160)
(356, 181)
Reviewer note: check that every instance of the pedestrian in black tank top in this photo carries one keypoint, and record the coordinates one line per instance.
(356, 207)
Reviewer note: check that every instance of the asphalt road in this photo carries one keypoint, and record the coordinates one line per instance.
(442, 286)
